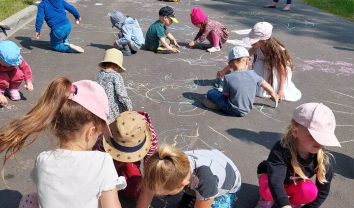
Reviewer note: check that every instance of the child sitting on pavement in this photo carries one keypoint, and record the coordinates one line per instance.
(113, 84)
(239, 88)
(130, 36)
(10, 76)
(157, 35)
(53, 12)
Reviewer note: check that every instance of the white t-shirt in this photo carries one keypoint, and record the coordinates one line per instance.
(66, 178)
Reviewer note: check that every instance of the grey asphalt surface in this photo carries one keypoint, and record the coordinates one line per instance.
(171, 87)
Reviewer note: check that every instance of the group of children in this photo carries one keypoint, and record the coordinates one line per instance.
(74, 176)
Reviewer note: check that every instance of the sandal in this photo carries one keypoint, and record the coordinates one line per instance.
(14, 94)
(266, 6)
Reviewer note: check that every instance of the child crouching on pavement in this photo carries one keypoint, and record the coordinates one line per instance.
(130, 36)
(10, 76)
(239, 88)
(158, 38)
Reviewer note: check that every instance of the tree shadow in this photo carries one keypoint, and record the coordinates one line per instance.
(10, 198)
(247, 197)
(344, 49)
(28, 43)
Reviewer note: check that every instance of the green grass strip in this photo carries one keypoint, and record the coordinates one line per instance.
(341, 8)
(11, 7)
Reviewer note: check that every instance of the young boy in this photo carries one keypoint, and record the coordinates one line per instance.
(239, 88)
(130, 36)
(157, 33)
(53, 11)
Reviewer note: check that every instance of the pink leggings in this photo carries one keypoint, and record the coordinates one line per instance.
(12, 78)
(305, 191)
(213, 38)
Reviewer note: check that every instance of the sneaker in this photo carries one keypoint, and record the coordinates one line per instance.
(213, 49)
(14, 94)
(162, 50)
(66, 44)
(264, 204)
(78, 49)
(126, 52)
(209, 104)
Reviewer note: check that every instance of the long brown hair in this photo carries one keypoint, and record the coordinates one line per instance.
(166, 169)
(67, 118)
(289, 141)
(274, 56)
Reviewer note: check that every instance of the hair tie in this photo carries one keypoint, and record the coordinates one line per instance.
(74, 89)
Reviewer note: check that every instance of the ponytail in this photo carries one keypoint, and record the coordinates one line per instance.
(166, 169)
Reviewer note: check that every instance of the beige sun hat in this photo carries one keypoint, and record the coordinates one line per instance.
(132, 138)
(114, 56)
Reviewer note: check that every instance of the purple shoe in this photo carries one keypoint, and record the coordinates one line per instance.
(15, 94)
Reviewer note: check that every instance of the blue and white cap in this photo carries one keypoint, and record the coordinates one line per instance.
(238, 52)
(10, 53)
(117, 19)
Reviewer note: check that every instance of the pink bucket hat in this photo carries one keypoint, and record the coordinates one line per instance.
(260, 31)
(92, 96)
(197, 16)
(320, 122)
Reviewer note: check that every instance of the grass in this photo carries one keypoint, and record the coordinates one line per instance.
(341, 8)
(11, 7)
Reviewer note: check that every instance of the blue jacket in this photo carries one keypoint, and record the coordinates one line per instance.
(53, 11)
(131, 31)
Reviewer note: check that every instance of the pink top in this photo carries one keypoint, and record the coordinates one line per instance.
(24, 67)
(212, 25)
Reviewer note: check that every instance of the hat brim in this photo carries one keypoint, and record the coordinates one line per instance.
(324, 138)
(121, 69)
(174, 19)
(249, 41)
(127, 156)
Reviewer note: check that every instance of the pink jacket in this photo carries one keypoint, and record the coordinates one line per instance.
(24, 67)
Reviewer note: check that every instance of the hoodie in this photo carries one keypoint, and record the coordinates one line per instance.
(53, 12)
(131, 32)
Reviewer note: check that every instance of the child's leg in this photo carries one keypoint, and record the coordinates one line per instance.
(29, 201)
(264, 188)
(16, 77)
(4, 81)
(213, 38)
(221, 100)
(133, 176)
(305, 191)
(57, 36)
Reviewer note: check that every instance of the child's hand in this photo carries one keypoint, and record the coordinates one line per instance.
(3, 99)
(29, 86)
(37, 35)
(175, 43)
(115, 44)
(220, 74)
(274, 96)
(191, 44)
(78, 20)
(281, 95)
(174, 50)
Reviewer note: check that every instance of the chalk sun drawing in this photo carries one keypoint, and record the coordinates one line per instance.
(338, 67)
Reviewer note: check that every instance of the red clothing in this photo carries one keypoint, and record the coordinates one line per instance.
(12, 76)
(212, 25)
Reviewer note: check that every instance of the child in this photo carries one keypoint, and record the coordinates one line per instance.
(69, 176)
(275, 2)
(113, 84)
(53, 11)
(130, 36)
(214, 31)
(208, 175)
(272, 62)
(297, 157)
(10, 76)
(239, 88)
(134, 138)
(157, 33)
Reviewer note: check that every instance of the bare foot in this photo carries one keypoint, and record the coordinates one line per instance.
(287, 7)
(3, 100)
(272, 4)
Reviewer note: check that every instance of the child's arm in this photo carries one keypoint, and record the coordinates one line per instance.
(164, 44)
(39, 19)
(72, 10)
(145, 198)
(122, 94)
(282, 78)
(203, 203)
(206, 31)
(195, 42)
(269, 89)
(127, 36)
(225, 70)
(3, 100)
(173, 40)
(27, 72)
(109, 199)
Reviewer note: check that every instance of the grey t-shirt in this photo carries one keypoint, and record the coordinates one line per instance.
(213, 174)
(241, 86)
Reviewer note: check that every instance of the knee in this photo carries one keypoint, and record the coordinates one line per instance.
(308, 190)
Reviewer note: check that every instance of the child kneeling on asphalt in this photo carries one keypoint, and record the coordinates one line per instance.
(239, 88)
(130, 36)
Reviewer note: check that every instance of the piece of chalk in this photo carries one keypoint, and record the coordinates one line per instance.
(276, 102)
(178, 51)
(77, 22)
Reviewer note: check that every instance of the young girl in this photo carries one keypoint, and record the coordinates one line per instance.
(69, 176)
(208, 175)
(214, 31)
(113, 83)
(272, 62)
(10, 76)
(285, 176)
(53, 11)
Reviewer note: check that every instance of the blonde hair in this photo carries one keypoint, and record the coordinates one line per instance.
(289, 141)
(107, 65)
(166, 169)
(66, 117)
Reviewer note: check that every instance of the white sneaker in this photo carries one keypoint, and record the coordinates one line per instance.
(66, 44)
(76, 48)
(213, 49)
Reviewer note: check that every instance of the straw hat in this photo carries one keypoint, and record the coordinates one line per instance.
(131, 139)
(114, 56)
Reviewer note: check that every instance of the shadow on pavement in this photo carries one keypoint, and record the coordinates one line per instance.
(343, 165)
(247, 197)
(28, 43)
(10, 198)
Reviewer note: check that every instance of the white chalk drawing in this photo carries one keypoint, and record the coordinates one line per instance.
(288, 22)
(8, 108)
(238, 43)
(201, 61)
(242, 32)
(267, 112)
(332, 67)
